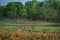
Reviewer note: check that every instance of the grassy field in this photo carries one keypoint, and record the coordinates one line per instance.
(29, 31)
(33, 26)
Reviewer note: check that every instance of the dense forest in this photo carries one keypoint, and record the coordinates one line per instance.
(34, 10)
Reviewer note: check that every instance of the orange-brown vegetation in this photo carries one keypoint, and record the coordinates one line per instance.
(18, 35)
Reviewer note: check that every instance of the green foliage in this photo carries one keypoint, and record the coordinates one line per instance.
(46, 10)
(58, 9)
(14, 9)
(1, 11)
(32, 9)
(24, 12)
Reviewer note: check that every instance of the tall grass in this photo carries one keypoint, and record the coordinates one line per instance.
(18, 35)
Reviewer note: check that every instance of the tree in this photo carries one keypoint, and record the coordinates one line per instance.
(1, 11)
(50, 10)
(58, 9)
(31, 7)
(28, 7)
(24, 12)
(14, 9)
(41, 10)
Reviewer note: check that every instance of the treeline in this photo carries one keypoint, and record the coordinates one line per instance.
(34, 10)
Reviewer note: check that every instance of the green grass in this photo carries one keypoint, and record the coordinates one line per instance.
(47, 28)
(8, 28)
(37, 27)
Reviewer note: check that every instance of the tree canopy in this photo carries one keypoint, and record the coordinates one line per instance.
(45, 10)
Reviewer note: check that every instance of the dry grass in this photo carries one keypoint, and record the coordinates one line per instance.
(18, 35)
